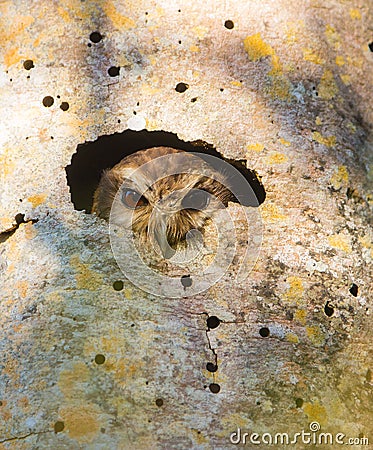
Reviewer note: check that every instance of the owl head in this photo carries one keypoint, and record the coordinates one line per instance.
(162, 194)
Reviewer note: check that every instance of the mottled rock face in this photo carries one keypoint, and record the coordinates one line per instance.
(89, 360)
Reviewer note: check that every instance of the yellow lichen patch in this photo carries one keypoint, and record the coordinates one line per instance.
(37, 199)
(16, 26)
(300, 316)
(311, 56)
(340, 242)
(327, 141)
(256, 48)
(271, 213)
(64, 14)
(340, 61)
(327, 88)
(82, 421)
(7, 166)
(236, 83)
(22, 287)
(291, 337)
(333, 37)
(280, 87)
(315, 412)
(284, 142)
(71, 381)
(198, 437)
(346, 79)
(318, 120)
(294, 294)
(118, 20)
(339, 178)
(200, 31)
(194, 48)
(355, 13)
(86, 278)
(276, 158)
(12, 56)
(315, 335)
(257, 147)
(366, 242)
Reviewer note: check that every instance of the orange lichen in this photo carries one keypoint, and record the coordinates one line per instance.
(82, 422)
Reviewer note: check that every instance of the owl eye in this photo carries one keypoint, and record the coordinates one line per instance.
(132, 199)
(196, 199)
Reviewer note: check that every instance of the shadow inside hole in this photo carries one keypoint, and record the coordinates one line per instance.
(91, 158)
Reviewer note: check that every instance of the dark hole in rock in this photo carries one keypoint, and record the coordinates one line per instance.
(59, 426)
(118, 285)
(95, 37)
(194, 99)
(328, 309)
(159, 402)
(211, 367)
(213, 322)
(354, 289)
(64, 106)
(298, 402)
(91, 158)
(28, 64)
(229, 24)
(186, 281)
(113, 71)
(181, 87)
(264, 332)
(370, 45)
(1, 403)
(100, 359)
(214, 388)
(48, 101)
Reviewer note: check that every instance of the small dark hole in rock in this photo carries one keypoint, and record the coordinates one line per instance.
(159, 402)
(194, 99)
(95, 37)
(213, 322)
(211, 367)
(119, 120)
(354, 289)
(113, 71)
(100, 359)
(370, 45)
(28, 64)
(264, 332)
(118, 285)
(214, 388)
(48, 101)
(179, 42)
(64, 106)
(102, 430)
(186, 281)
(19, 218)
(328, 309)
(181, 87)
(89, 44)
(229, 24)
(1, 403)
(298, 402)
(221, 89)
(59, 426)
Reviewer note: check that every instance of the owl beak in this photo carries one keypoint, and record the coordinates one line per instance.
(158, 230)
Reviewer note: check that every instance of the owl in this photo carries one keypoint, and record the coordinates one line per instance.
(164, 195)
